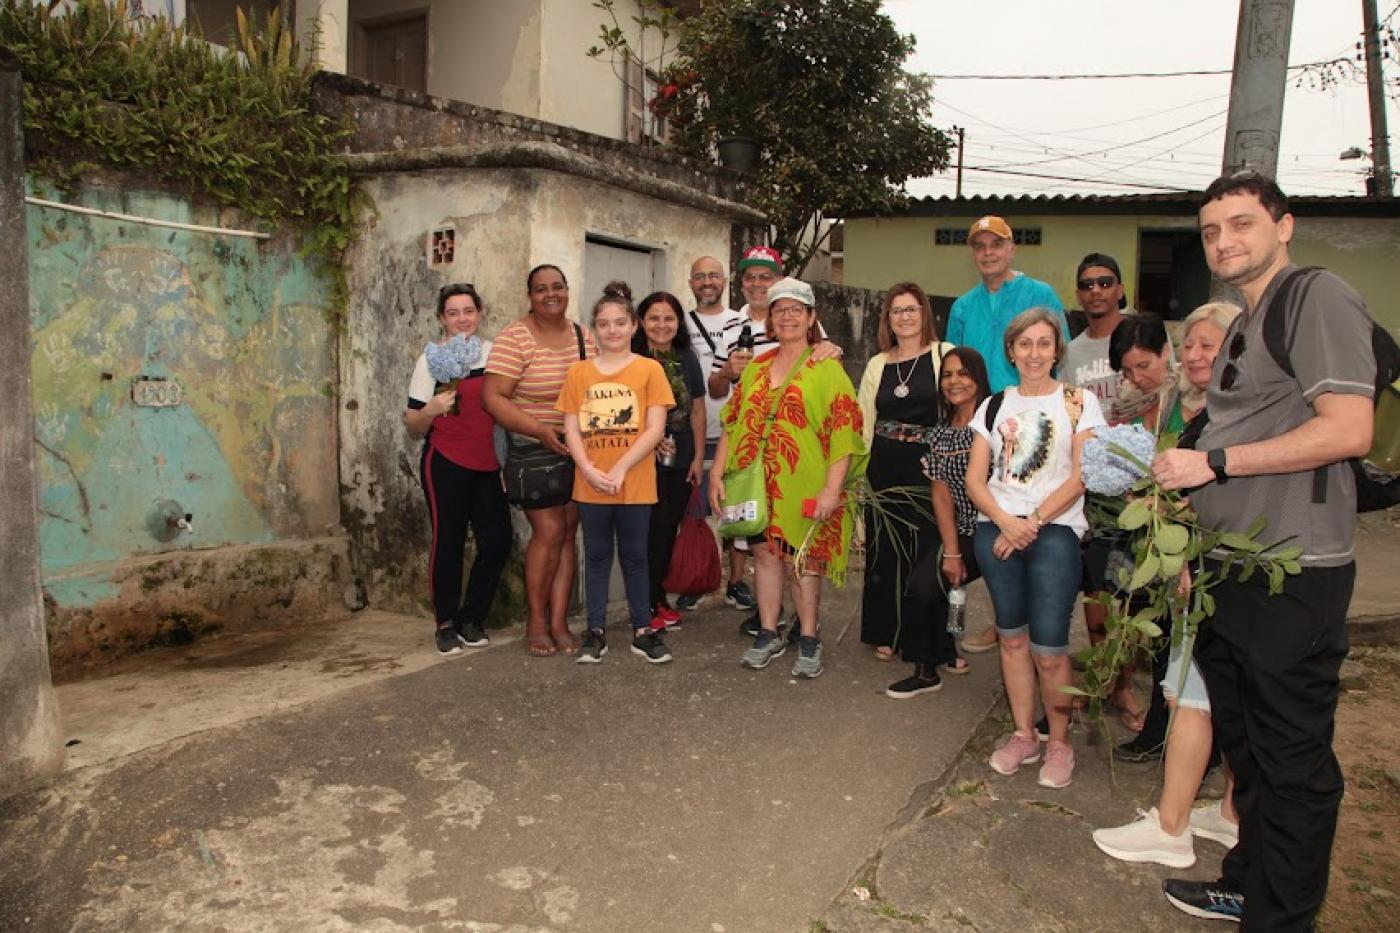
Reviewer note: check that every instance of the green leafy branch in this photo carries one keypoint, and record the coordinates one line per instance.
(1165, 538)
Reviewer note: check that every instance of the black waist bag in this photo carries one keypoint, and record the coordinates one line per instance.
(537, 477)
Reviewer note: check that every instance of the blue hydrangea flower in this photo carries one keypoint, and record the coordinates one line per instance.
(1109, 473)
(454, 358)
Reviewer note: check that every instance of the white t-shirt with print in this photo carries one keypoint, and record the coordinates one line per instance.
(1032, 444)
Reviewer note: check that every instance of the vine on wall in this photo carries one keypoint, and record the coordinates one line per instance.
(236, 125)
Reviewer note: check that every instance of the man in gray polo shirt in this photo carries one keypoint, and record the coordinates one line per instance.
(1271, 662)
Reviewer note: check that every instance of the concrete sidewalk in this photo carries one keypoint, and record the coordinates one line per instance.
(487, 792)
(342, 776)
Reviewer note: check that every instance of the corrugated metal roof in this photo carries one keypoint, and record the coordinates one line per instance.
(1175, 203)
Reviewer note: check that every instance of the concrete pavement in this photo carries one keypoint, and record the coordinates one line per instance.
(487, 792)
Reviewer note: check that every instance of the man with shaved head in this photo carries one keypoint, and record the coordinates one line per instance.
(706, 327)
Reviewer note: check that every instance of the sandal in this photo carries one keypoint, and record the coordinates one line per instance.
(566, 642)
(539, 646)
(958, 666)
(980, 643)
(884, 653)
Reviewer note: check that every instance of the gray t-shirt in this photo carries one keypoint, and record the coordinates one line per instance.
(1331, 353)
(1086, 365)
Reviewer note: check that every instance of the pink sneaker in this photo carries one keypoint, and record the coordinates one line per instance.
(1058, 769)
(1015, 751)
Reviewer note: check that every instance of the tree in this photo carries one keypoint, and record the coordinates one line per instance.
(821, 86)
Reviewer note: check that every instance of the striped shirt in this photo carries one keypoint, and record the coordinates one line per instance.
(538, 371)
(762, 343)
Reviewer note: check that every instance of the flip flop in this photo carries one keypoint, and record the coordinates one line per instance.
(884, 653)
(959, 667)
(539, 646)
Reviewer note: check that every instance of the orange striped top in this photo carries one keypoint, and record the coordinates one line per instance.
(538, 371)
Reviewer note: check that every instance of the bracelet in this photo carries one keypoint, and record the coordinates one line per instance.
(1035, 514)
(954, 556)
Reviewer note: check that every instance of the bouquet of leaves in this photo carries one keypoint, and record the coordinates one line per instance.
(452, 360)
(1165, 539)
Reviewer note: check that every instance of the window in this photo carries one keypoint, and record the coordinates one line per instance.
(957, 236)
(641, 125)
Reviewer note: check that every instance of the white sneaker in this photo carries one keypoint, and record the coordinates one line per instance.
(1209, 823)
(1144, 840)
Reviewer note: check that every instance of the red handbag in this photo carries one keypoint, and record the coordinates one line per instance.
(695, 568)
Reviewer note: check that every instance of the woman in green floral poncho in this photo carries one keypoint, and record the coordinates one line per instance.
(815, 446)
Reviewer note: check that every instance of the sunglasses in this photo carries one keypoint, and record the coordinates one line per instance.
(457, 288)
(1231, 372)
(1103, 281)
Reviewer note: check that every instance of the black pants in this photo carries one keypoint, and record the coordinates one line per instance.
(930, 642)
(458, 498)
(1271, 665)
(672, 497)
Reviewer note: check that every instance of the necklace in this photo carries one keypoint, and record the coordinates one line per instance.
(902, 390)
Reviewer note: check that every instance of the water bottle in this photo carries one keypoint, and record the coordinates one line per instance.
(668, 459)
(957, 610)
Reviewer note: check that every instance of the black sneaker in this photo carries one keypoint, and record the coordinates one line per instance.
(1210, 900)
(593, 648)
(448, 641)
(749, 628)
(1139, 751)
(921, 681)
(649, 643)
(473, 635)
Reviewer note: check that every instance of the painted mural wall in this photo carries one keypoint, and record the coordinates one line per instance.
(505, 222)
(176, 374)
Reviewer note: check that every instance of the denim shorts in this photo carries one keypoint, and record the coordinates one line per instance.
(1193, 693)
(1033, 591)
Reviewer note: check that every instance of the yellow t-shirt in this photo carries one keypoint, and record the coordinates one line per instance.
(612, 412)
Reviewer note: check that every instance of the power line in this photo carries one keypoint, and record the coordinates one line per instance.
(1136, 142)
(1135, 74)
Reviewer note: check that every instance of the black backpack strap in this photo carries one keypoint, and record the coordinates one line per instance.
(1281, 320)
(1282, 316)
(994, 406)
(578, 335)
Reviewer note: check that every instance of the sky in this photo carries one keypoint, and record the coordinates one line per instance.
(1157, 134)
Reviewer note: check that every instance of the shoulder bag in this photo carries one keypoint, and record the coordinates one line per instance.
(535, 476)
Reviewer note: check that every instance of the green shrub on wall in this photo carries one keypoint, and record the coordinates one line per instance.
(235, 125)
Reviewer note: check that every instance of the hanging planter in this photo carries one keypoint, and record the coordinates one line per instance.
(739, 153)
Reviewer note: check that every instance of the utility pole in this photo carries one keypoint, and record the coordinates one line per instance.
(961, 131)
(1256, 88)
(1375, 93)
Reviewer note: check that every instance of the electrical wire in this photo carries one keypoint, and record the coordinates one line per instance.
(1136, 74)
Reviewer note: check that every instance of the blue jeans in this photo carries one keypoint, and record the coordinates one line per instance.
(625, 525)
(1033, 590)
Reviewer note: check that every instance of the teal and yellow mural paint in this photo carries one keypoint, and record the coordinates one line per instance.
(238, 325)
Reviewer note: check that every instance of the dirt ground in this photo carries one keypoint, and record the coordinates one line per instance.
(1365, 882)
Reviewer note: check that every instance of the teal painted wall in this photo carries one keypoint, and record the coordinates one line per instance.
(239, 324)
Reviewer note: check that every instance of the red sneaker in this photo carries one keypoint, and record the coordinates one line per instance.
(668, 617)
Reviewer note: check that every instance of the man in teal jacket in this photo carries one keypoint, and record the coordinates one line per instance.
(980, 316)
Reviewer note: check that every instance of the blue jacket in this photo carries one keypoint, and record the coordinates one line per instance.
(979, 320)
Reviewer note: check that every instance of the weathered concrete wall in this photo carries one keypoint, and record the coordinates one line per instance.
(31, 745)
(390, 119)
(240, 326)
(507, 221)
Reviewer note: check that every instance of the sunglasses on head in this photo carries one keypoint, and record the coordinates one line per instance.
(1231, 372)
(1101, 281)
(457, 288)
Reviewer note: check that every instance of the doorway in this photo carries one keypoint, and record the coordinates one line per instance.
(394, 50)
(1173, 279)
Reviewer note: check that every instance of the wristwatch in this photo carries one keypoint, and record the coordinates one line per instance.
(1216, 460)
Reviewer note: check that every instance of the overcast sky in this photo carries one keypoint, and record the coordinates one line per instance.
(1173, 128)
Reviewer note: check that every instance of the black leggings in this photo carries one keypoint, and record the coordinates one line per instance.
(458, 497)
(672, 497)
(931, 643)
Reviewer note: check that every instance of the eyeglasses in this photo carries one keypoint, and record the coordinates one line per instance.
(707, 277)
(1231, 371)
(1104, 282)
(911, 309)
(790, 311)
